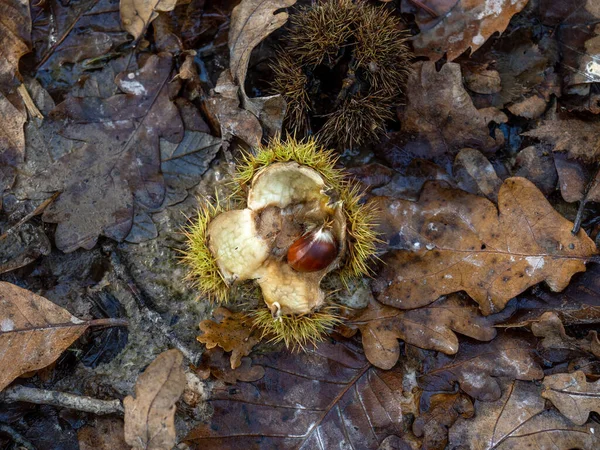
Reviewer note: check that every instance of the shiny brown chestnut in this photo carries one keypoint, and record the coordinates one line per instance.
(313, 251)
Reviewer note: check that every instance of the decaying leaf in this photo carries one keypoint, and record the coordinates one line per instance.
(22, 246)
(479, 367)
(574, 177)
(328, 397)
(577, 137)
(136, 15)
(33, 332)
(519, 420)
(233, 333)
(443, 411)
(448, 120)
(475, 174)
(572, 395)
(216, 363)
(12, 140)
(15, 34)
(118, 163)
(551, 329)
(431, 328)
(105, 434)
(150, 416)
(467, 24)
(451, 241)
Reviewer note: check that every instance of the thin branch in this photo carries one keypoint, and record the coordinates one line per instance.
(151, 316)
(16, 437)
(78, 402)
(33, 213)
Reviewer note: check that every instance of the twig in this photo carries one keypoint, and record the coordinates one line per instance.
(43, 397)
(29, 104)
(35, 212)
(151, 315)
(16, 436)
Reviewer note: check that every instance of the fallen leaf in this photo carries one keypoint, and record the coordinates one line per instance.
(214, 362)
(479, 367)
(233, 333)
(572, 395)
(552, 331)
(33, 332)
(150, 416)
(519, 420)
(448, 120)
(12, 140)
(452, 241)
(443, 411)
(430, 327)
(577, 137)
(105, 434)
(15, 36)
(475, 174)
(467, 24)
(22, 247)
(328, 397)
(251, 22)
(119, 157)
(538, 166)
(136, 15)
(574, 176)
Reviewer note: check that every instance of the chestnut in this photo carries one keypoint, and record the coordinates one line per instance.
(313, 251)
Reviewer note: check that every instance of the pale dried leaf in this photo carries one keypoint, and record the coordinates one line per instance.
(551, 329)
(468, 24)
(33, 332)
(136, 15)
(150, 416)
(12, 140)
(15, 34)
(451, 241)
(574, 397)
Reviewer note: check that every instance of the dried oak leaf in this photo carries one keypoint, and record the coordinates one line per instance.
(233, 333)
(216, 363)
(328, 397)
(577, 137)
(443, 411)
(15, 34)
(431, 328)
(33, 332)
(451, 241)
(150, 416)
(448, 120)
(467, 24)
(136, 15)
(478, 367)
(572, 395)
(474, 173)
(118, 160)
(517, 421)
(551, 329)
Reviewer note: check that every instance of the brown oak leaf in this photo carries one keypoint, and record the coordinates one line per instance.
(551, 329)
(517, 421)
(572, 395)
(466, 24)
(116, 164)
(431, 328)
(327, 397)
(15, 34)
(233, 333)
(479, 367)
(451, 241)
(136, 15)
(150, 416)
(443, 411)
(448, 120)
(216, 363)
